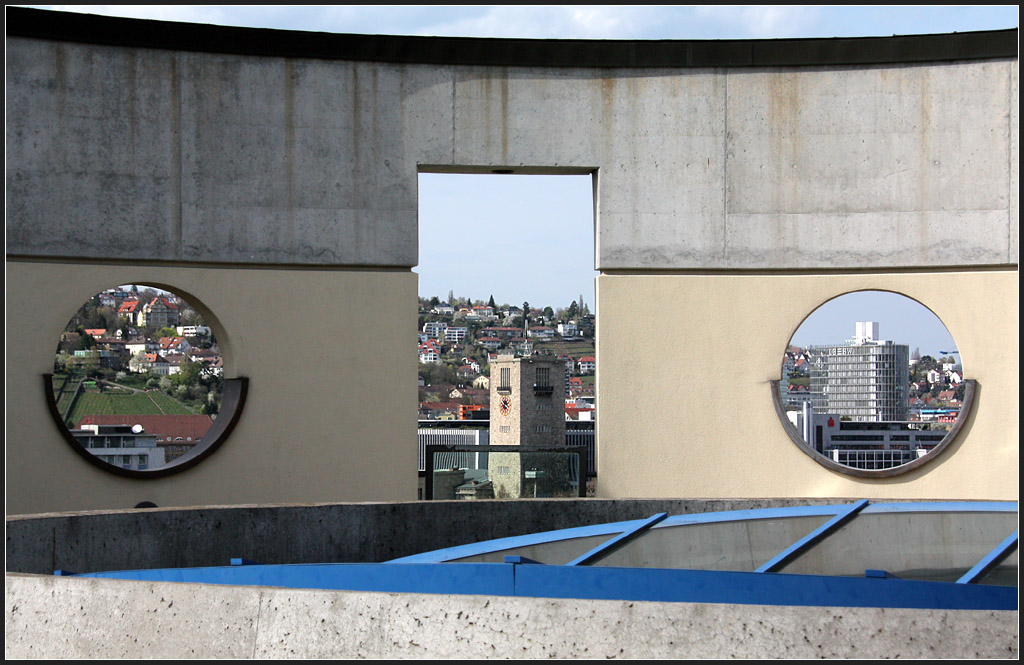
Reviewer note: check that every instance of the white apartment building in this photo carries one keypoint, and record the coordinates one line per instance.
(435, 329)
(455, 334)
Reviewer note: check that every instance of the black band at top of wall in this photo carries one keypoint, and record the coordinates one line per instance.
(139, 33)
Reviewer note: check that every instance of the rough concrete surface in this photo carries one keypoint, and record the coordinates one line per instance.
(349, 532)
(50, 617)
(149, 154)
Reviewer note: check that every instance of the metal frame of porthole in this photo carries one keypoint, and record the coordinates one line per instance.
(232, 404)
(970, 389)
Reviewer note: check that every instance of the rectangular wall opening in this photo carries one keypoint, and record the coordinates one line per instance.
(490, 245)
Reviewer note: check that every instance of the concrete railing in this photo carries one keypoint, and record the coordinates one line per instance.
(65, 617)
(311, 533)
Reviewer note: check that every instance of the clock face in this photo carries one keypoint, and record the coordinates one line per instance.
(505, 405)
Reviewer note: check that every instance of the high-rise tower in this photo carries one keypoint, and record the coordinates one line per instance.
(867, 380)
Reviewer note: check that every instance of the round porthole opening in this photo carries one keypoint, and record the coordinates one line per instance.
(138, 384)
(872, 384)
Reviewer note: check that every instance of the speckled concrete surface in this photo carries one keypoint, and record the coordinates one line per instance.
(50, 617)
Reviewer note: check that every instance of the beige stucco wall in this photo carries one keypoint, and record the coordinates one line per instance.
(324, 350)
(685, 363)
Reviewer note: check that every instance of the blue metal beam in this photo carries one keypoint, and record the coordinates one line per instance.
(990, 560)
(609, 546)
(595, 582)
(813, 538)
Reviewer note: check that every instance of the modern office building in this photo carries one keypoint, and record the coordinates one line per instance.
(867, 379)
(867, 445)
(125, 446)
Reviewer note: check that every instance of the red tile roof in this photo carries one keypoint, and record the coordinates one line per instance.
(170, 342)
(165, 301)
(165, 427)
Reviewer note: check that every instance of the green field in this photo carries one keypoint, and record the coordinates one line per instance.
(574, 348)
(151, 402)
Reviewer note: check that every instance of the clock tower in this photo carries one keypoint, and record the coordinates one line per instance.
(527, 409)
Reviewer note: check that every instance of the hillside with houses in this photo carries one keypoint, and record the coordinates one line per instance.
(458, 339)
(139, 357)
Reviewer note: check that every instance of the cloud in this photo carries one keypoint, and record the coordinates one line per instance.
(761, 22)
(186, 13)
(583, 22)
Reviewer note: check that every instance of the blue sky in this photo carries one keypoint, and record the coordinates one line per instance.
(900, 319)
(550, 217)
(588, 22)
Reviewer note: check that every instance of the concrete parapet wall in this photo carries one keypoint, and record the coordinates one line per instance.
(51, 617)
(348, 532)
(136, 153)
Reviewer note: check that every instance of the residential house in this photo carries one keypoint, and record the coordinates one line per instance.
(430, 352)
(153, 363)
(489, 343)
(131, 310)
(483, 312)
(472, 395)
(174, 363)
(173, 345)
(133, 346)
(160, 313)
(542, 333)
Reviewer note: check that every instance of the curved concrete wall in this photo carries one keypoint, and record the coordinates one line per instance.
(47, 616)
(279, 188)
(312, 533)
